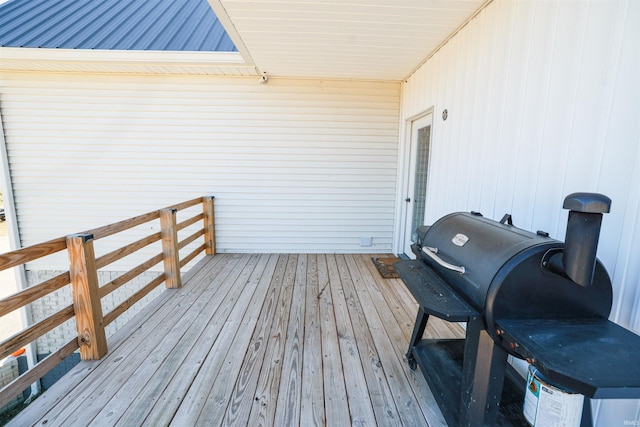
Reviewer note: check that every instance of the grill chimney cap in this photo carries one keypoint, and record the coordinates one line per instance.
(587, 203)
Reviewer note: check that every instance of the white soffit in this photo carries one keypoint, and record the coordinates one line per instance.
(372, 39)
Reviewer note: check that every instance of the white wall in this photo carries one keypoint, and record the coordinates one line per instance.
(295, 165)
(543, 100)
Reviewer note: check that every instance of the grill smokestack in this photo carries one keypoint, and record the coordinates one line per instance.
(583, 231)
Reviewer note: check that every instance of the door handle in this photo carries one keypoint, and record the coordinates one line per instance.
(407, 200)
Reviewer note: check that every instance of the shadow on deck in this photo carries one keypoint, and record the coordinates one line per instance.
(257, 339)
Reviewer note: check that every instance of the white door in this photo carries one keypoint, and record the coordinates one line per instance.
(417, 179)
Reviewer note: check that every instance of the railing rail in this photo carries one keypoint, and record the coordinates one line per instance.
(87, 295)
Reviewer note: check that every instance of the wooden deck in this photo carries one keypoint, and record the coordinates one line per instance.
(257, 339)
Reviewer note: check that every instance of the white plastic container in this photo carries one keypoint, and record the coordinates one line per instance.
(546, 405)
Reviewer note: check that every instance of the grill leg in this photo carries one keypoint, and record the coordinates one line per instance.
(484, 369)
(587, 419)
(418, 331)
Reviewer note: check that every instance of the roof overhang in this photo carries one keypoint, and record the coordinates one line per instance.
(113, 61)
(374, 40)
(350, 39)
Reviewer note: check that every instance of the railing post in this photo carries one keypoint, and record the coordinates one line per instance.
(170, 250)
(86, 302)
(209, 225)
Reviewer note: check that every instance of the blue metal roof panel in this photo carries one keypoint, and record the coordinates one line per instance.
(173, 25)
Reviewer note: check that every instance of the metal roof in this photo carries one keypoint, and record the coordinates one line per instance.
(156, 25)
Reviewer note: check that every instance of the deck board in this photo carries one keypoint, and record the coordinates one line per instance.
(266, 394)
(411, 395)
(380, 392)
(257, 339)
(312, 388)
(359, 399)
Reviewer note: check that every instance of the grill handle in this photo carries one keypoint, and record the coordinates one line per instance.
(431, 253)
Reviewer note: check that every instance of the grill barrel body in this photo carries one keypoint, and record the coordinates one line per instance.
(506, 272)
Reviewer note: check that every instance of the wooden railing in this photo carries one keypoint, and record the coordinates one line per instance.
(87, 294)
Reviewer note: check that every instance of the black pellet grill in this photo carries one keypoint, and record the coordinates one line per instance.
(523, 294)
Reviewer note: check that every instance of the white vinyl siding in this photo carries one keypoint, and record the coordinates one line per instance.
(543, 100)
(295, 165)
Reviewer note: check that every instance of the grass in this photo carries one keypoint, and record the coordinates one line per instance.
(8, 415)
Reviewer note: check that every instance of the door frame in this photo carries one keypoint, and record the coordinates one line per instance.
(404, 180)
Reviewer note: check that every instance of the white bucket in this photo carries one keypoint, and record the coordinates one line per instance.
(546, 405)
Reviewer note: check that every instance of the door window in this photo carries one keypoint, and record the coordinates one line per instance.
(417, 180)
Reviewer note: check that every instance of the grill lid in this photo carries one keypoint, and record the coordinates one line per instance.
(504, 272)
(478, 244)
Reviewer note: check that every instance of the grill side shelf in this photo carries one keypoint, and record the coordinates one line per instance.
(432, 293)
(594, 357)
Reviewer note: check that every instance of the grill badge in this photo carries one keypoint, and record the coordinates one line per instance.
(460, 239)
